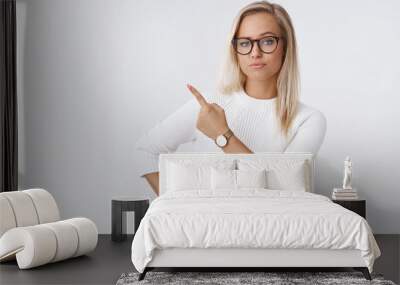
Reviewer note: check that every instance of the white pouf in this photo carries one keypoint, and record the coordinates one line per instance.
(31, 232)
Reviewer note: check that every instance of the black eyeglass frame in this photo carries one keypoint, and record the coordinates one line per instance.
(234, 40)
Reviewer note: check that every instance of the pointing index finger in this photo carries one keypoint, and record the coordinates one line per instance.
(198, 96)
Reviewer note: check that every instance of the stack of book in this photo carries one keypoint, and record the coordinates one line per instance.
(344, 194)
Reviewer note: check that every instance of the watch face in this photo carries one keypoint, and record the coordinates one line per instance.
(221, 140)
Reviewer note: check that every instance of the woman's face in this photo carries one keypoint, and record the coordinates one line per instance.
(258, 26)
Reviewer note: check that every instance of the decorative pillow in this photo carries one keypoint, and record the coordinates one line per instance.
(282, 174)
(192, 174)
(251, 178)
(236, 179)
(223, 179)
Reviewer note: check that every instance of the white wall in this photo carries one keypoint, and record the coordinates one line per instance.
(94, 75)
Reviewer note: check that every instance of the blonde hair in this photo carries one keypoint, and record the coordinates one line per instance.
(232, 79)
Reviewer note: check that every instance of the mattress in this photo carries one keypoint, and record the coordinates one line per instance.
(250, 219)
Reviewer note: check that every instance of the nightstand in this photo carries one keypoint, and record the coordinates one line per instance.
(119, 207)
(357, 206)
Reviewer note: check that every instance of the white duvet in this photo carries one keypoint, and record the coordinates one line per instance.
(250, 218)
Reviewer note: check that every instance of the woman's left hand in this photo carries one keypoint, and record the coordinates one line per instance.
(211, 120)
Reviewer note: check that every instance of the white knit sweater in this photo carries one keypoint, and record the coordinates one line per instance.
(252, 120)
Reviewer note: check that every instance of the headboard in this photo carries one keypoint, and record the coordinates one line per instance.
(214, 156)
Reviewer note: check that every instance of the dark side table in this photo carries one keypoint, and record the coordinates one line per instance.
(119, 207)
(357, 206)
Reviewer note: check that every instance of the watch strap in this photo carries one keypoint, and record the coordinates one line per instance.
(228, 134)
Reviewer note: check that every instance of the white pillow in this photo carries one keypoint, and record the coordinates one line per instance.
(237, 179)
(189, 174)
(282, 174)
(223, 179)
(251, 178)
(182, 177)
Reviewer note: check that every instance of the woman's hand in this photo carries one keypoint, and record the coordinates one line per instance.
(211, 120)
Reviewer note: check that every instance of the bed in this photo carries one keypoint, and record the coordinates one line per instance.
(247, 211)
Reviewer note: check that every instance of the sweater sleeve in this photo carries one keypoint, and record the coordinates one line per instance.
(310, 134)
(166, 136)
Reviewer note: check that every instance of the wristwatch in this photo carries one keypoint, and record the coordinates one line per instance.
(222, 140)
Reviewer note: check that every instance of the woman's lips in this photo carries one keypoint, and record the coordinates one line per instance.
(257, 66)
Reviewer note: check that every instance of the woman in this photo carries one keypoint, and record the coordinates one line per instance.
(256, 108)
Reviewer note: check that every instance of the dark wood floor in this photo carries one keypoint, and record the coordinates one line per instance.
(102, 266)
(111, 259)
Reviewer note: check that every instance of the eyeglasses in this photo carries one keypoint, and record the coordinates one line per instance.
(245, 45)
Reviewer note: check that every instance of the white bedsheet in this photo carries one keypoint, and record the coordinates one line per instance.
(250, 218)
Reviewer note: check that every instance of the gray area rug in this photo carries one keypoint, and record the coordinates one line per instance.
(275, 278)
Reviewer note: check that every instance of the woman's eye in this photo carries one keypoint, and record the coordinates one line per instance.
(267, 42)
(244, 44)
